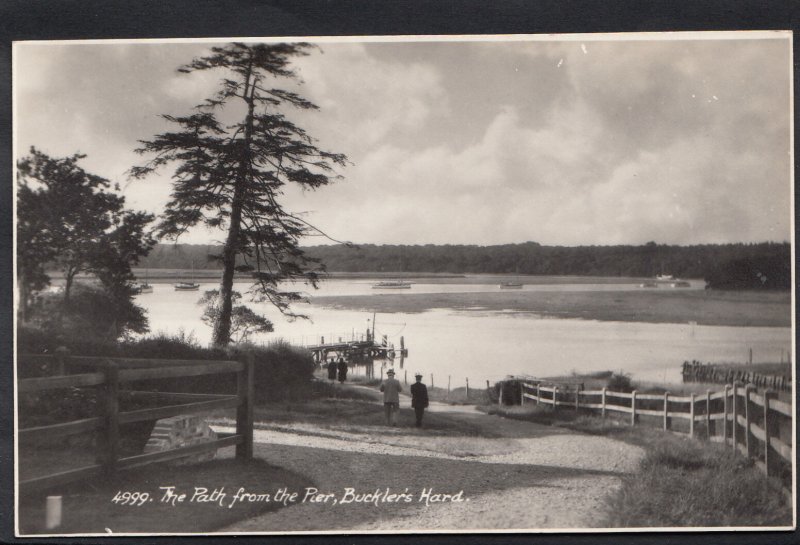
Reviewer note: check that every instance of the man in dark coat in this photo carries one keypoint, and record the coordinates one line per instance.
(332, 370)
(342, 370)
(419, 398)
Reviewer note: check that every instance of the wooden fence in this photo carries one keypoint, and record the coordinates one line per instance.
(757, 425)
(108, 374)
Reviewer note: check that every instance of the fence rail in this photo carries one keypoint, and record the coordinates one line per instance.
(758, 425)
(112, 371)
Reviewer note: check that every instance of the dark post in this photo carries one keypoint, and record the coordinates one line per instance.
(691, 415)
(750, 440)
(244, 412)
(667, 419)
(734, 405)
(111, 406)
(725, 415)
(709, 422)
(770, 429)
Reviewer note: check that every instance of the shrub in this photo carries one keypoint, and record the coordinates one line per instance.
(620, 382)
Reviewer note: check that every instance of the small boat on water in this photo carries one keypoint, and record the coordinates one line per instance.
(392, 285)
(191, 285)
(648, 284)
(681, 284)
(510, 286)
(665, 278)
(187, 286)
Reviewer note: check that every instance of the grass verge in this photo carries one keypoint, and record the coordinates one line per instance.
(681, 482)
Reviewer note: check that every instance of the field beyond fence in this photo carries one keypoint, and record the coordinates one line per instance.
(757, 425)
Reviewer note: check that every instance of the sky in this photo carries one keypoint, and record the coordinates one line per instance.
(588, 140)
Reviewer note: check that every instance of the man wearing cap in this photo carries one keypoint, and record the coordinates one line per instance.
(419, 398)
(391, 397)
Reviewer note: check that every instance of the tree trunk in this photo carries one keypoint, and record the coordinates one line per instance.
(222, 328)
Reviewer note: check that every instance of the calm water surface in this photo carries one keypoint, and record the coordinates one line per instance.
(481, 345)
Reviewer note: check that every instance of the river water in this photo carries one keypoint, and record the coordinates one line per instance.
(481, 345)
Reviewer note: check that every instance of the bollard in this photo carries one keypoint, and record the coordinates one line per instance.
(603, 404)
(667, 419)
(467, 388)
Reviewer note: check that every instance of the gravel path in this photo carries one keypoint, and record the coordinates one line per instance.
(530, 477)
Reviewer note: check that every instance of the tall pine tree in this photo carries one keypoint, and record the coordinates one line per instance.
(231, 176)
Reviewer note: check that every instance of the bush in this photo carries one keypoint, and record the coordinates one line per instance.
(620, 382)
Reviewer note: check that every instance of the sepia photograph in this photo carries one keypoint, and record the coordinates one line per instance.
(404, 284)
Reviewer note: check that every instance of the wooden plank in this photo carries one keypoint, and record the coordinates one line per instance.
(781, 407)
(591, 392)
(784, 450)
(650, 397)
(156, 413)
(676, 414)
(592, 405)
(57, 479)
(679, 399)
(756, 399)
(152, 457)
(529, 396)
(622, 395)
(53, 383)
(178, 371)
(618, 408)
(650, 412)
(718, 395)
(741, 420)
(757, 432)
(60, 430)
(717, 416)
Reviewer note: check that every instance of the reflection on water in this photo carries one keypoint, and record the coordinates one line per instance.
(484, 346)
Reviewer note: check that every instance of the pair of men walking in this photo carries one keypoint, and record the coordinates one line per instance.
(391, 389)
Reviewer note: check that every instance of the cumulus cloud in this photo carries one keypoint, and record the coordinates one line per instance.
(678, 141)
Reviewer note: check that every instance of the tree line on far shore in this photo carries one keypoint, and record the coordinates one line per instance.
(764, 265)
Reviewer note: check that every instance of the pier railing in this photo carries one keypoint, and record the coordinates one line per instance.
(109, 375)
(757, 425)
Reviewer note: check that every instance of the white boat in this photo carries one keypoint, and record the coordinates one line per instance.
(510, 286)
(681, 284)
(392, 285)
(188, 286)
(665, 278)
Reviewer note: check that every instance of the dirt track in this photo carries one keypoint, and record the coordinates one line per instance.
(526, 476)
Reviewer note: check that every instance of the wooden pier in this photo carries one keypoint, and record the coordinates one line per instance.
(357, 351)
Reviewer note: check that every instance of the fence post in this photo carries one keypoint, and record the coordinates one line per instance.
(538, 395)
(735, 423)
(448, 384)
(431, 381)
(603, 404)
(244, 412)
(500, 397)
(555, 398)
(633, 408)
(750, 440)
(521, 393)
(709, 422)
(725, 415)
(768, 431)
(467, 387)
(577, 400)
(691, 415)
(111, 406)
(667, 419)
(405, 376)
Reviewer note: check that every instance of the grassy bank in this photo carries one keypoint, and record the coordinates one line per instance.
(681, 481)
(764, 309)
